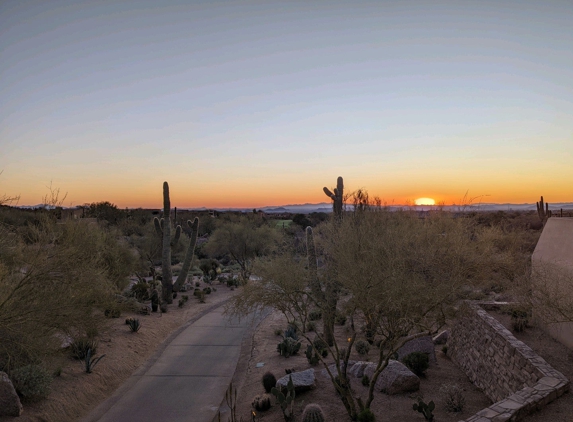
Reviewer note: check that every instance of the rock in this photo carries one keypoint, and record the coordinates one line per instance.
(357, 370)
(396, 378)
(9, 401)
(442, 337)
(333, 368)
(302, 381)
(421, 344)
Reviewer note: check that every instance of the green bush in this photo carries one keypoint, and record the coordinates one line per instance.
(340, 319)
(417, 362)
(32, 382)
(366, 415)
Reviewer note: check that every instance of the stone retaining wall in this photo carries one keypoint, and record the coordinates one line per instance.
(508, 371)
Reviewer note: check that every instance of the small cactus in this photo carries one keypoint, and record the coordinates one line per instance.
(269, 381)
(425, 409)
(262, 402)
(313, 413)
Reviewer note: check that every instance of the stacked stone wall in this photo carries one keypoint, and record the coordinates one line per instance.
(508, 371)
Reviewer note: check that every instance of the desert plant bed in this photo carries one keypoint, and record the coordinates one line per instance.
(385, 407)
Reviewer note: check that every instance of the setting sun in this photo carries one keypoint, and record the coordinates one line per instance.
(425, 201)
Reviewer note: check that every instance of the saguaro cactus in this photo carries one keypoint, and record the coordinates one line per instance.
(337, 197)
(543, 211)
(326, 299)
(163, 228)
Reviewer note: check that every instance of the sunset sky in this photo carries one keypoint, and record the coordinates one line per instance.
(254, 103)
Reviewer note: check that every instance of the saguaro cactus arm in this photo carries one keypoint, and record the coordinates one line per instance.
(194, 226)
(337, 196)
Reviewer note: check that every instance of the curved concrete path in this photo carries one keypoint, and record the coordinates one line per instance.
(186, 380)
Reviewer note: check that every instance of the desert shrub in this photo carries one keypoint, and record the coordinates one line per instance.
(519, 319)
(445, 349)
(417, 362)
(311, 355)
(315, 315)
(207, 290)
(453, 396)
(32, 382)
(366, 415)
(362, 347)
(310, 326)
(340, 319)
(53, 284)
(262, 402)
(288, 347)
(140, 291)
(269, 381)
(80, 346)
(278, 332)
(113, 312)
(313, 413)
(365, 380)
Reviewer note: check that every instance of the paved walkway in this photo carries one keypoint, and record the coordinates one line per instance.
(186, 381)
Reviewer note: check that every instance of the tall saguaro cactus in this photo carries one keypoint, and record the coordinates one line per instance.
(326, 299)
(337, 197)
(543, 210)
(163, 228)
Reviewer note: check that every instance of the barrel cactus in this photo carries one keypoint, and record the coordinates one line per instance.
(313, 413)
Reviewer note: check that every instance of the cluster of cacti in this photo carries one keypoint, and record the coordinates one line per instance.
(311, 355)
(425, 409)
(286, 401)
(163, 228)
(313, 413)
(262, 402)
(543, 210)
(288, 347)
(337, 197)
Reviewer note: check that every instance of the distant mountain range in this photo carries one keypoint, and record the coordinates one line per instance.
(327, 207)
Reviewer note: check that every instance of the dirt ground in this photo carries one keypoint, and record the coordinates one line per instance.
(385, 407)
(74, 393)
(558, 356)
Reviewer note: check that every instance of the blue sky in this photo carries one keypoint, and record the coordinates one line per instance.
(262, 103)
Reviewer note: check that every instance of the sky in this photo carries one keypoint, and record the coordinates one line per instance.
(255, 103)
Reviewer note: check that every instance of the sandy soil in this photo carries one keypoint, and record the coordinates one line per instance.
(75, 393)
(558, 356)
(386, 408)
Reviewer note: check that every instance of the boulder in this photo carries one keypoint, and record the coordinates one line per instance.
(9, 401)
(303, 380)
(442, 337)
(357, 370)
(396, 378)
(421, 344)
(332, 368)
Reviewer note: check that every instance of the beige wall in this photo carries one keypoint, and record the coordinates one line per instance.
(552, 266)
